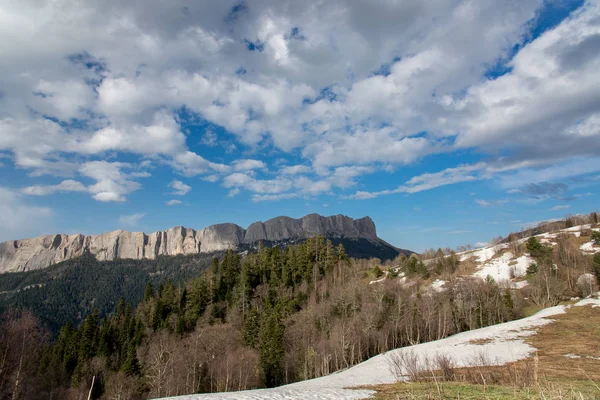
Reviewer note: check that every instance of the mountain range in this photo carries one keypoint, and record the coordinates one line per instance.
(359, 235)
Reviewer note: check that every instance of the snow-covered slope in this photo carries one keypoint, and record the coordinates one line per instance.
(501, 344)
(502, 265)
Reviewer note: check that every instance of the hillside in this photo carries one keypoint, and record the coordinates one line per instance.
(482, 348)
(291, 317)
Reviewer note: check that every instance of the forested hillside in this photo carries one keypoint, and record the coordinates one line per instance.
(272, 317)
(71, 290)
(276, 315)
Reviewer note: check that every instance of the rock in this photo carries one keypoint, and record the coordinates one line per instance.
(40, 252)
(283, 228)
(220, 237)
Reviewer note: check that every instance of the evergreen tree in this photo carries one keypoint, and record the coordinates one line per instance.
(131, 366)
(121, 307)
(596, 266)
(148, 292)
(271, 348)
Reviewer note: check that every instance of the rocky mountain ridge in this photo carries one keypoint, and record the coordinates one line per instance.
(43, 251)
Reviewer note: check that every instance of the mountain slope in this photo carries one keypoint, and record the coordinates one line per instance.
(502, 344)
(43, 251)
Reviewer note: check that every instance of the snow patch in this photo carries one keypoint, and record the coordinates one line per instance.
(508, 345)
(502, 343)
(282, 393)
(437, 285)
(383, 278)
(505, 267)
(590, 301)
(589, 247)
(576, 356)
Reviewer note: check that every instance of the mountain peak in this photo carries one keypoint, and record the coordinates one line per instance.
(40, 252)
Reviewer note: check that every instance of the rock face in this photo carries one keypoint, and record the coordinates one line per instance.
(40, 252)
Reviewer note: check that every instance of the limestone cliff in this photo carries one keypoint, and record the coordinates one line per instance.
(40, 252)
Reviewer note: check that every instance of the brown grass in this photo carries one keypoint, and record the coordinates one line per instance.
(576, 332)
(468, 266)
(481, 341)
(547, 375)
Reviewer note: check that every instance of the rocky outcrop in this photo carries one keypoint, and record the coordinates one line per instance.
(40, 252)
(283, 228)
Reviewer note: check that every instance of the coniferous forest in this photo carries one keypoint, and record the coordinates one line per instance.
(248, 321)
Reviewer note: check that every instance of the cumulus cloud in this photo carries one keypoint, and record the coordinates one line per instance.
(174, 202)
(248, 165)
(560, 207)
(112, 182)
(387, 85)
(179, 188)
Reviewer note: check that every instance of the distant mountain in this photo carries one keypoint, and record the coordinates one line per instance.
(359, 236)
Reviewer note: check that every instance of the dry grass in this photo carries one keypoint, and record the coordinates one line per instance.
(576, 332)
(481, 341)
(548, 390)
(547, 375)
(468, 266)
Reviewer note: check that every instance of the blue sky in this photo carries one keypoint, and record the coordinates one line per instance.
(448, 122)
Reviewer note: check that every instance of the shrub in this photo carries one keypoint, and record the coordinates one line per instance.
(596, 237)
(404, 364)
(532, 269)
(377, 271)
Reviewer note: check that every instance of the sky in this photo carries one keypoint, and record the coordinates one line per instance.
(447, 122)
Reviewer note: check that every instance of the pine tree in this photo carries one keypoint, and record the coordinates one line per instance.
(121, 307)
(131, 366)
(271, 348)
(148, 292)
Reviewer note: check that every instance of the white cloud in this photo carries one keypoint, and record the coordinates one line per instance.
(211, 178)
(19, 219)
(209, 138)
(112, 184)
(65, 186)
(560, 207)
(295, 170)
(190, 164)
(483, 203)
(248, 165)
(179, 188)
(233, 192)
(490, 203)
(131, 220)
(427, 181)
(174, 202)
(273, 197)
(104, 88)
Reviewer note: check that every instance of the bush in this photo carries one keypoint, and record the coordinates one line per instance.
(586, 283)
(377, 271)
(405, 364)
(532, 269)
(596, 237)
